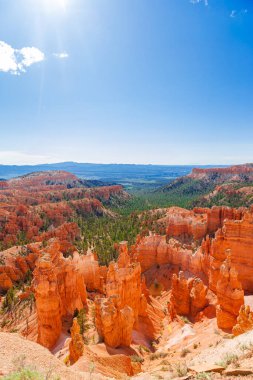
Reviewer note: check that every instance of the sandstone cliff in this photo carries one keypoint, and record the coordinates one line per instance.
(59, 290)
(188, 297)
(125, 303)
(230, 295)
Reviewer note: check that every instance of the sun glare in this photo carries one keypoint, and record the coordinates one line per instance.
(54, 5)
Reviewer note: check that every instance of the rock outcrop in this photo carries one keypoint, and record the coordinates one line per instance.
(232, 173)
(59, 290)
(230, 295)
(17, 261)
(198, 296)
(76, 345)
(156, 250)
(93, 274)
(180, 294)
(237, 236)
(188, 297)
(244, 321)
(125, 303)
(185, 224)
(218, 214)
(113, 323)
(118, 312)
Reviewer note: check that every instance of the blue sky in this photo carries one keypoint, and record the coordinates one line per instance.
(126, 81)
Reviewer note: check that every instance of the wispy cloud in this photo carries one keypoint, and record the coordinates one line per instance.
(199, 1)
(12, 157)
(61, 55)
(16, 61)
(234, 13)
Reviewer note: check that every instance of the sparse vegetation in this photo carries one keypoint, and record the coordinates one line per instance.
(24, 374)
(10, 300)
(137, 359)
(228, 359)
(180, 369)
(158, 355)
(184, 352)
(203, 376)
(82, 320)
(246, 347)
(143, 349)
(185, 319)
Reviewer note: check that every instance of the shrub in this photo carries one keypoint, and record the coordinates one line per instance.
(82, 320)
(228, 359)
(185, 319)
(137, 359)
(24, 374)
(203, 376)
(180, 369)
(158, 355)
(184, 352)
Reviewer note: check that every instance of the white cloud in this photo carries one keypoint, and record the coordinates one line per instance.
(199, 1)
(12, 157)
(61, 55)
(234, 13)
(16, 61)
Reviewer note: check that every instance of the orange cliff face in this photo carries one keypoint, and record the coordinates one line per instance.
(118, 314)
(230, 295)
(181, 246)
(232, 173)
(188, 297)
(59, 290)
(93, 274)
(236, 236)
(76, 345)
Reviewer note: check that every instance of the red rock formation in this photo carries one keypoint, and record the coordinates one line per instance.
(237, 236)
(76, 345)
(229, 294)
(35, 205)
(93, 275)
(198, 173)
(218, 214)
(198, 297)
(180, 294)
(125, 304)
(188, 297)
(156, 250)
(244, 321)
(59, 290)
(17, 261)
(113, 323)
(184, 224)
(117, 314)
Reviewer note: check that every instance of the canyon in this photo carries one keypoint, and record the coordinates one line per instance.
(149, 311)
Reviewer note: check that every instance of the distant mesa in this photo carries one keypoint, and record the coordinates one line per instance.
(227, 186)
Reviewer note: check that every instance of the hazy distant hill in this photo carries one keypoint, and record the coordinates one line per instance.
(144, 176)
